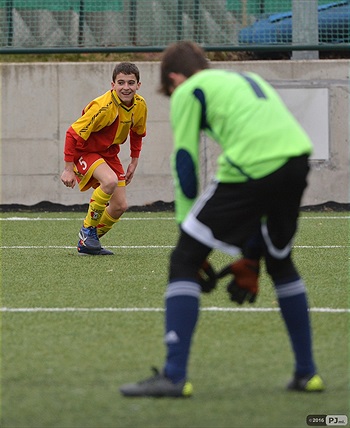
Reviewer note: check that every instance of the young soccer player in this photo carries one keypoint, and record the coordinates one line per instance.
(252, 207)
(91, 154)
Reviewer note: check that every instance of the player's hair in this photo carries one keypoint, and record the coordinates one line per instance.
(126, 68)
(183, 57)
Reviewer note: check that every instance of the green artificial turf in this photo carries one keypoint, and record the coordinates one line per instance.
(73, 329)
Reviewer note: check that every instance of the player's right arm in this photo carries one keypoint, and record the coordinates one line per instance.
(73, 139)
(92, 119)
(185, 119)
(68, 176)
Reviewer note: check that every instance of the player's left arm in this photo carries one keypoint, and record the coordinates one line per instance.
(137, 133)
(131, 170)
(135, 150)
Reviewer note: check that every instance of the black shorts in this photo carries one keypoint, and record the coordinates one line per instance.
(226, 215)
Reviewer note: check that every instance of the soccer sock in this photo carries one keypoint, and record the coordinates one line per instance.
(106, 223)
(182, 307)
(294, 309)
(98, 202)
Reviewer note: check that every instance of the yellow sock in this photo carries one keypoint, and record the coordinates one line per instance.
(106, 223)
(98, 202)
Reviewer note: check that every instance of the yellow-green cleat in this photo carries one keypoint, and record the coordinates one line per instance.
(310, 383)
(157, 386)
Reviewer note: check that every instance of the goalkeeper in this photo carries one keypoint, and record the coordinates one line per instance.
(252, 207)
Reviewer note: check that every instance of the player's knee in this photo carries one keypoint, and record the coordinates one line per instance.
(110, 185)
(187, 258)
(117, 209)
(182, 265)
(123, 206)
(281, 269)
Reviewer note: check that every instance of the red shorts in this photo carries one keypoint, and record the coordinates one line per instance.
(86, 163)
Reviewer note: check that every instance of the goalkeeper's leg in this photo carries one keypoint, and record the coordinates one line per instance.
(278, 231)
(292, 298)
(182, 304)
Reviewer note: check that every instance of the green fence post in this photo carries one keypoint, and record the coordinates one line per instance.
(81, 23)
(180, 9)
(132, 22)
(9, 19)
(305, 28)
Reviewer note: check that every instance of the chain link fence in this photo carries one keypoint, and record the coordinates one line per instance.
(149, 25)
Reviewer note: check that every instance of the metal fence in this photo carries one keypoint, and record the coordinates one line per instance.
(149, 25)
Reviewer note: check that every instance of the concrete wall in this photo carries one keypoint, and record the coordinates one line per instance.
(41, 100)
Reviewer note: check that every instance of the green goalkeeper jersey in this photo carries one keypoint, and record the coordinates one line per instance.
(245, 115)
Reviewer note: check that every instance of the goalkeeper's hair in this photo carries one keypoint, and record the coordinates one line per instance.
(183, 57)
(126, 68)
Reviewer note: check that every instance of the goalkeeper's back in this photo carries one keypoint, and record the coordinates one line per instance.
(244, 115)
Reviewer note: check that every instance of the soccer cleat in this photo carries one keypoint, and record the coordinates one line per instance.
(88, 239)
(83, 251)
(157, 386)
(104, 252)
(310, 383)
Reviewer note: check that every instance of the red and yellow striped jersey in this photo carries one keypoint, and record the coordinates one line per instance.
(105, 122)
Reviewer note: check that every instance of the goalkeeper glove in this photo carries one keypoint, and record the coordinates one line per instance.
(207, 277)
(244, 285)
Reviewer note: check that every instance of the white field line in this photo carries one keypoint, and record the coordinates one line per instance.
(204, 309)
(78, 219)
(38, 247)
(64, 247)
(146, 218)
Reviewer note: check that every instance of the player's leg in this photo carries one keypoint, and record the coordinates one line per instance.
(101, 195)
(115, 209)
(183, 289)
(278, 233)
(182, 308)
(99, 172)
(182, 297)
(118, 203)
(214, 222)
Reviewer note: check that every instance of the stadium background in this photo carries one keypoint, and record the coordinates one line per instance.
(39, 100)
(127, 25)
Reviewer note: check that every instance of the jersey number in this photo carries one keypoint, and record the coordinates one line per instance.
(82, 163)
(256, 88)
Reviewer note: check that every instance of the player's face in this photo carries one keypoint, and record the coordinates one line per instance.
(126, 86)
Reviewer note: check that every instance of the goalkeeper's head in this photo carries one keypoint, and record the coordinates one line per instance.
(179, 61)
